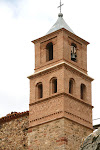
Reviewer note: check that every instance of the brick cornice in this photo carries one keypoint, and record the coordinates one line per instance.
(49, 115)
(54, 67)
(62, 112)
(59, 113)
(30, 127)
(57, 61)
(56, 32)
(77, 99)
(61, 94)
(77, 117)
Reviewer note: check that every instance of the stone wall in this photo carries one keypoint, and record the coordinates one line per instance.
(13, 131)
(61, 134)
(55, 135)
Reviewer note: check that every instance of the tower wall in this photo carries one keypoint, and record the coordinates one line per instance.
(60, 120)
(54, 105)
(61, 40)
(40, 50)
(68, 39)
(60, 134)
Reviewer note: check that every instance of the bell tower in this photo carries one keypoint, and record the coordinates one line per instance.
(60, 109)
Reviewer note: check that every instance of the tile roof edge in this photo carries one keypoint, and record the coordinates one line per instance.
(13, 115)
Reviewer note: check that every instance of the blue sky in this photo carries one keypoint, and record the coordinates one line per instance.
(22, 21)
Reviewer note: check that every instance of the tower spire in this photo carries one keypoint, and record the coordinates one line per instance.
(60, 6)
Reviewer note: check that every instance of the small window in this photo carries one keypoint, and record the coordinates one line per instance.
(53, 85)
(71, 86)
(83, 92)
(49, 52)
(73, 52)
(39, 91)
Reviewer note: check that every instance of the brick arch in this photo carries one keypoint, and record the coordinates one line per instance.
(83, 91)
(71, 86)
(39, 90)
(53, 85)
(73, 52)
(73, 44)
(49, 51)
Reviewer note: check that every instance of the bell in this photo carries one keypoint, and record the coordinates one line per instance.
(73, 57)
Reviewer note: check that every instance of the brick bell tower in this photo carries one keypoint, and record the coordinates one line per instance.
(60, 110)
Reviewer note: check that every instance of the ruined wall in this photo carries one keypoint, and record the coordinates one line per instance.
(13, 131)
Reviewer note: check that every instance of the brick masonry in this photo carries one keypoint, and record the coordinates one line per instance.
(59, 120)
(61, 40)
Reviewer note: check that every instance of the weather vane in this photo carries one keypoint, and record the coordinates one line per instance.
(60, 6)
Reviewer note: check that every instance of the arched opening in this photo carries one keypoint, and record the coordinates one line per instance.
(83, 92)
(73, 52)
(71, 86)
(49, 51)
(53, 85)
(39, 91)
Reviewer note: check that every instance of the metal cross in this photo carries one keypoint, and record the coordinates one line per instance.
(60, 6)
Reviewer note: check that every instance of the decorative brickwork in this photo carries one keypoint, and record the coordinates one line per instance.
(13, 131)
(60, 118)
(61, 40)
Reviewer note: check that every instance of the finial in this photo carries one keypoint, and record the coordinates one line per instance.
(60, 14)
